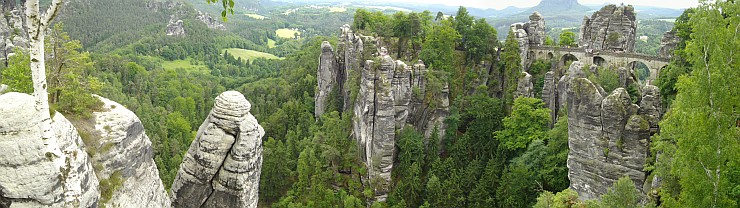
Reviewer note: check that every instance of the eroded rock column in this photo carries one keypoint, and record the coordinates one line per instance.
(222, 166)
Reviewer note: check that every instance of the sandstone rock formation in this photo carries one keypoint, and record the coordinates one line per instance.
(529, 33)
(175, 27)
(608, 136)
(391, 96)
(124, 148)
(524, 87)
(668, 44)
(210, 21)
(326, 78)
(536, 29)
(374, 123)
(222, 167)
(29, 176)
(612, 29)
(521, 36)
(12, 31)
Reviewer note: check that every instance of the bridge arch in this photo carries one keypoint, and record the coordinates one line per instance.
(599, 61)
(567, 58)
(640, 69)
(550, 55)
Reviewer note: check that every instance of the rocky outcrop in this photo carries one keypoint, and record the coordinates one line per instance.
(175, 27)
(608, 137)
(611, 29)
(550, 94)
(210, 21)
(12, 32)
(668, 44)
(222, 167)
(392, 94)
(651, 106)
(529, 33)
(326, 78)
(124, 150)
(29, 176)
(375, 122)
(536, 29)
(524, 87)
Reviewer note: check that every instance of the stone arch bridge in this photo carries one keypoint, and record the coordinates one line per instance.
(600, 58)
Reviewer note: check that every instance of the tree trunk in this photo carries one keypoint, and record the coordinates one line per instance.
(37, 24)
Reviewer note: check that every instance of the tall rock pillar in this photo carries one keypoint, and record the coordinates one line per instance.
(222, 167)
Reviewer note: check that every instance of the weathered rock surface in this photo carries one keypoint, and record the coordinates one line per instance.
(123, 147)
(612, 29)
(536, 29)
(375, 122)
(29, 176)
(391, 96)
(210, 21)
(175, 27)
(651, 106)
(525, 87)
(529, 33)
(668, 44)
(12, 31)
(607, 138)
(521, 36)
(326, 78)
(222, 166)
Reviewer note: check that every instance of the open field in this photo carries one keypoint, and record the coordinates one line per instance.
(249, 54)
(337, 9)
(286, 33)
(271, 43)
(256, 16)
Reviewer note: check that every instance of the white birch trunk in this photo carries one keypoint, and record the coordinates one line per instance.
(37, 24)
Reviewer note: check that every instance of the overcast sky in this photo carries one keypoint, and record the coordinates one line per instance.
(500, 4)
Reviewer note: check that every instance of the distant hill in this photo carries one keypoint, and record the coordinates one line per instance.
(554, 7)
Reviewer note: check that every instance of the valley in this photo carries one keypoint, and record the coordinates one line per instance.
(328, 103)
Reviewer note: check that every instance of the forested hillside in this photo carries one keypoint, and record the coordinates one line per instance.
(498, 147)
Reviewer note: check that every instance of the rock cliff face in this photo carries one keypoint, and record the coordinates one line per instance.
(390, 96)
(28, 175)
(210, 21)
(612, 28)
(608, 135)
(222, 167)
(529, 33)
(525, 87)
(325, 77)
(12, 31)
(175, 27)
(668, 44)
(375, 122)
(125, 149)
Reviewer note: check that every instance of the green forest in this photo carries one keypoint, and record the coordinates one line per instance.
(497, 150)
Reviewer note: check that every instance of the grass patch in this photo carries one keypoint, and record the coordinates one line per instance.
(249, 54)
(108, 186)
(183, 64)
(271, 43)
(256, 16)
(287, 33)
